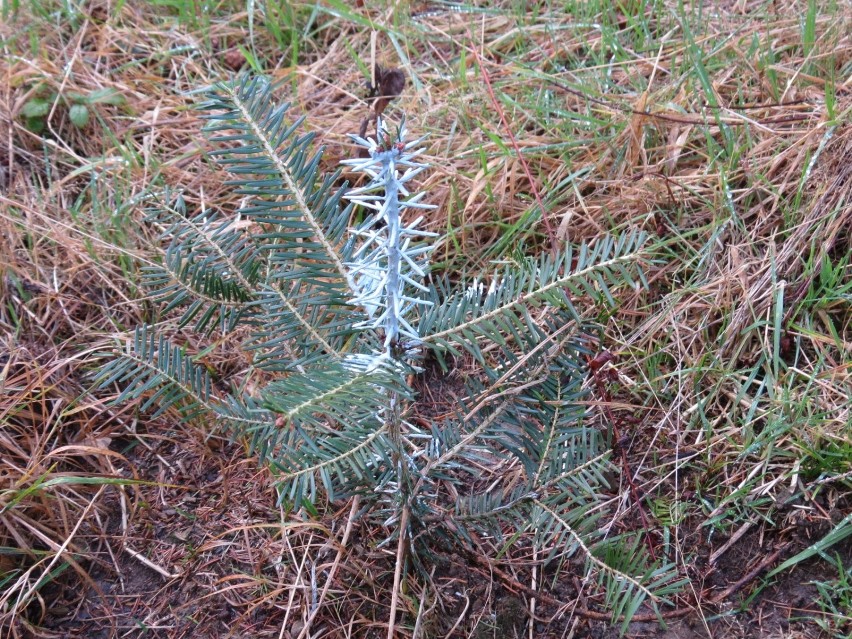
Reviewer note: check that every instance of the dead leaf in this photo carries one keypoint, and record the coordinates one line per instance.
(389, 85)
(234, 59)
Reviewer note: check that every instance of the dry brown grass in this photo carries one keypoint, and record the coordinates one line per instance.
(728, 342)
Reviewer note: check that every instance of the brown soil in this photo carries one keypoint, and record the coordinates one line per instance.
(205, 523)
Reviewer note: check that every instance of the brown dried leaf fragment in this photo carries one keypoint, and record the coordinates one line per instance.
(234, 59)
(389, 84)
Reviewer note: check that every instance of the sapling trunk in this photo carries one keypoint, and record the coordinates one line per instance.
(389, 264)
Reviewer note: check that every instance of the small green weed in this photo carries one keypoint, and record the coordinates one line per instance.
(835, 602)
(77, 106)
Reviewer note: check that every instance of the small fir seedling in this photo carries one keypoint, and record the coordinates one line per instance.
(341, 317)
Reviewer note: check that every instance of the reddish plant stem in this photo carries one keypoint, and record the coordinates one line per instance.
(619, 450)
(551, 233)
